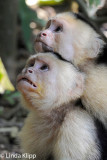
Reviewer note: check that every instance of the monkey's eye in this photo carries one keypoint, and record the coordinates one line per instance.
(58, 29)
(31, 63)
(44, 67)
(48, 24)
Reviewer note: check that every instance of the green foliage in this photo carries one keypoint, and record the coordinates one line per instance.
(10, 97)
(51, 2)
(27, 16)
(94, 2)
(93, 6)
(1, 76)
(97, 2)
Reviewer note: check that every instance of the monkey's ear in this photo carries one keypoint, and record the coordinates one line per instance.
(78, 91)
(96, 48)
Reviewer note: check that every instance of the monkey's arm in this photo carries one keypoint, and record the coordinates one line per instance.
(77, 139)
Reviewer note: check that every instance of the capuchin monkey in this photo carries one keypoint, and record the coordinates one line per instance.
(57, 127)
(77, 42)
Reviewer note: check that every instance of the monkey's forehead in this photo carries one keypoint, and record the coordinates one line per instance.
(64, 17)
(51, 59)
(66, 14)
(51, 56)
(45, 56)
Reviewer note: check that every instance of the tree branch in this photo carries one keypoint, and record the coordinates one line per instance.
(96, 22)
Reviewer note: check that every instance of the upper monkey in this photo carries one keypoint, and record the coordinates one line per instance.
(79, 43)
(71, 37)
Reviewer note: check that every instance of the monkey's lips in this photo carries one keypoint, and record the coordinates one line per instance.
(24, 82)
(42, 46)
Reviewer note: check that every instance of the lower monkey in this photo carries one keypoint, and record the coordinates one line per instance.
(57, 127)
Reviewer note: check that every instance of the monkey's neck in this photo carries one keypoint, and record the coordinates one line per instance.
(86, 67)
(57, 115)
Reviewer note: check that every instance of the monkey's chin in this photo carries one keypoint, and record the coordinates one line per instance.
(38, 47)
(42, 47)
(47, 48)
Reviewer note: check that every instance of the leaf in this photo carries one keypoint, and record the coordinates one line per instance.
(50, 2)
(1, 76)
(5, 83)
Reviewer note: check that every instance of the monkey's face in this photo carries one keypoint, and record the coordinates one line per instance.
(54, 37)
(72, 38)
(48, 81)
(37, 76)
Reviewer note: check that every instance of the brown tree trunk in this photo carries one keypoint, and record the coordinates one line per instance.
(8, 33)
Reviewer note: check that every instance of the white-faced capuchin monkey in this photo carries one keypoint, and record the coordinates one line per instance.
(77, 42)
(57, 127)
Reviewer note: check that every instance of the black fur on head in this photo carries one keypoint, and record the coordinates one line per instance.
(86, 20)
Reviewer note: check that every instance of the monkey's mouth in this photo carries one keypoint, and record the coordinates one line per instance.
(25, 79)
(41, 46)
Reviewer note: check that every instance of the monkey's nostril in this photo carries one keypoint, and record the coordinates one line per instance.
(30, 71)
(44, 34)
